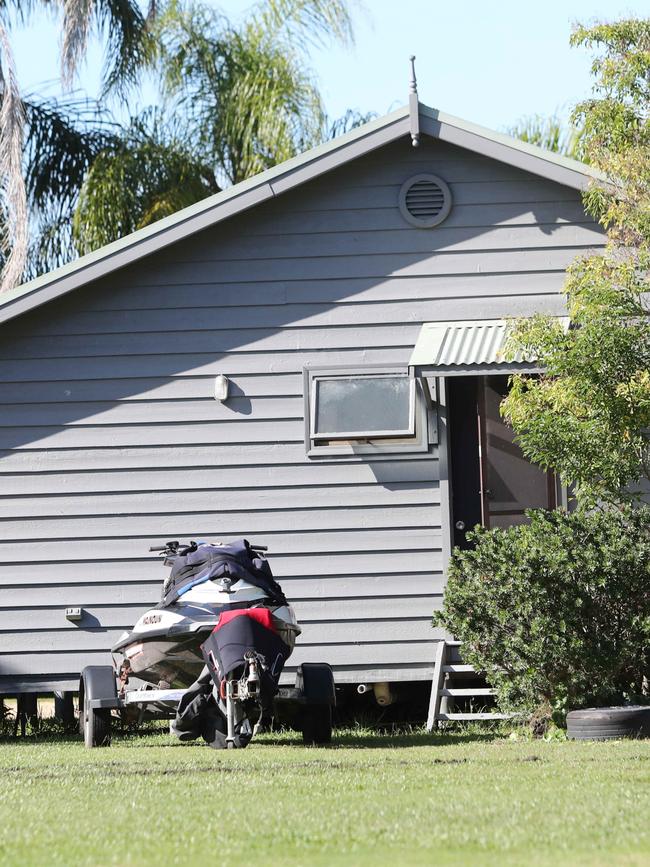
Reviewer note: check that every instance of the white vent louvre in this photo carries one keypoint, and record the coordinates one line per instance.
(425, 201)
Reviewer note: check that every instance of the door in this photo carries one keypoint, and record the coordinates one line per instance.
(510, 484)
(492, 482)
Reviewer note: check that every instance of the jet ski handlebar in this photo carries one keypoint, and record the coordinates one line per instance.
(176, 547)
(170, 547)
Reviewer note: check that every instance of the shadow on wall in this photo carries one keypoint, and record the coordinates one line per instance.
(329, 270)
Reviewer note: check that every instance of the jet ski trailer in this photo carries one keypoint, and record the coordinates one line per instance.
(209, 655)
(100, 703)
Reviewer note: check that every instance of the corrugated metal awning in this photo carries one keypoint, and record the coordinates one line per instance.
(465, 348)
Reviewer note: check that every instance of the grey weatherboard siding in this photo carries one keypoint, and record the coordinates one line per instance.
(110, 439)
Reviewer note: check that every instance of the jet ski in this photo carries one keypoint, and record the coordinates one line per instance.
(206, 580)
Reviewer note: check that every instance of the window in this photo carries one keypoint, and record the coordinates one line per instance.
(354, 407)
(348, 411)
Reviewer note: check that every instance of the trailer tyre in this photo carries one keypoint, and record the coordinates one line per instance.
(316, 680)
(97, 681)
(317, 724)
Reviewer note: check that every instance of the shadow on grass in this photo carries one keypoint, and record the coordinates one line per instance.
(39, 738)
(341, 740)
(349, 740)
(53, 736)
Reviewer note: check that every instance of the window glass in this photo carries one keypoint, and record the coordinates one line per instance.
(363, 405)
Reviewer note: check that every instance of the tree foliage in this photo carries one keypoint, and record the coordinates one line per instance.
(127, 35)
(63, 141)
(616, 123)
(128, 47)
(549, 133)
(588, 416)
(235, 101)
(556, 612)
(143, 174)
(241, 99)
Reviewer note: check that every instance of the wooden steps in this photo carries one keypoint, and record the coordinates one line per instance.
(444, 670)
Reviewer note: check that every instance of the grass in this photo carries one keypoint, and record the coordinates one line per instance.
(451, 799)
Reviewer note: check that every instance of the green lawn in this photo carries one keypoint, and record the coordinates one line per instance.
(464, 799)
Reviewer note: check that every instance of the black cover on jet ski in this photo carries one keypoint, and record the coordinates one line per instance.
(206, 562)
(236, 634)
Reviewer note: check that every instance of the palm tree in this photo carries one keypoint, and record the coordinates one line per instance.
(549, 133)
(129, 43)
(235, 101)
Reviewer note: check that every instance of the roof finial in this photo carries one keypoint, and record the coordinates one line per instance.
(414, 105)
(413, 84)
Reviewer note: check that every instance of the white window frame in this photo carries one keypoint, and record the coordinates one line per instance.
(413, 439)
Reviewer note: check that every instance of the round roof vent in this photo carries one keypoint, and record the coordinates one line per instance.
(424, 201)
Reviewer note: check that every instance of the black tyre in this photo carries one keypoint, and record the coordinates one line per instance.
(97, 682)
(317, 724)
(316, 681)
(609, 723)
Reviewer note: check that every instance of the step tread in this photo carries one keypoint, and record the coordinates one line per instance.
(458, 668)
(474, 716)
(453, 691)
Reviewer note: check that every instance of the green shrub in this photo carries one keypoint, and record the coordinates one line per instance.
(556, 612)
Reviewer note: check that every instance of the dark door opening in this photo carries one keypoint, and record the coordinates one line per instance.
(462, 397)
(492, 482)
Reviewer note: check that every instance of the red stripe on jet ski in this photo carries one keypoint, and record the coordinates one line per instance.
(262, 615)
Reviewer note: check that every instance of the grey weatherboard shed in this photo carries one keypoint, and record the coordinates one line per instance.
(111, 439)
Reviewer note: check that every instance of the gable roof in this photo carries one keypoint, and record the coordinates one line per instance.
(284, 177)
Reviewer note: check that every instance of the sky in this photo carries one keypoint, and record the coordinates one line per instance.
(491, 62)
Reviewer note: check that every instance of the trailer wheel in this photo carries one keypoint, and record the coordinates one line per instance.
(317, 724)
(316, 680)
(97, 681)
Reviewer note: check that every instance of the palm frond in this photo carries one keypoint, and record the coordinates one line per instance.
(237, 100)
(549, 133)
(63, 140)
(247, 93)
(352, 119)
(77, 16)
(127, 30)
(145, 174)
(270, 106)
(131, 45)
(305, 22)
